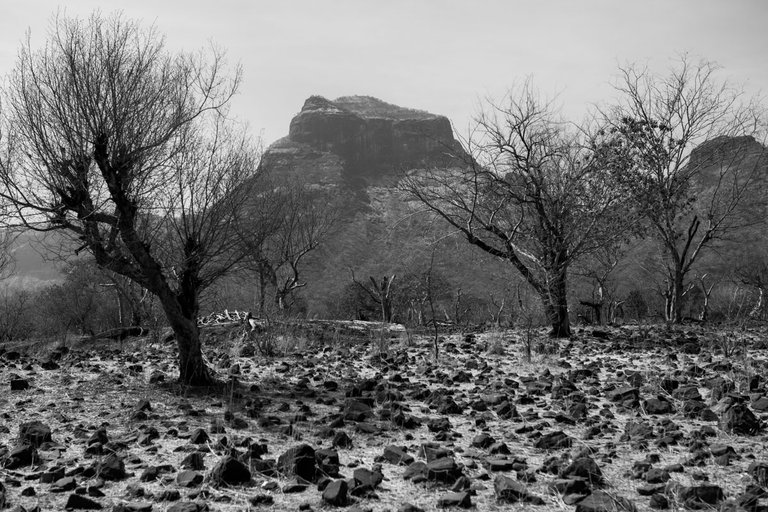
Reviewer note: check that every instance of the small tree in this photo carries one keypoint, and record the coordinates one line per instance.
(534, 194)
(127, 149)
(380, 292)
(278, 230)
(690, 199)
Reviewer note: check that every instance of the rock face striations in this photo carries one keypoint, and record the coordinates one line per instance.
(355, 141)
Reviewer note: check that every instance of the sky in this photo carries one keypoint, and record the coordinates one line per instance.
(442, 56)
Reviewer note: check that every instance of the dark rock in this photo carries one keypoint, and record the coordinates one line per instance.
(739, 419)
(577, 486)
(34, 433)
(265, 467)
(199, 436)
(657, 476)
(586, 468)
(623, 394)
(554, 441)
(761, 404)
(658, 406)
(439, 425)
(759, 471)
(189, 478)
(511, 491)
(511, 464)
(659, 502)
(22, 455)
(99, 436)
(601, 501)
(702, 496)
(431, 451)
(19, 384)
(366, 477)
(299, 461)
(342, 440)
(356, 410)
(506, 411)
(111, 467)
(261, 499)
(455, 499)
(416, 471)
(78, 502)
(408, 507)
(230, 471)
(443, 470)
(195, 460)
(336, 493)
(133, 506)
(187, 506)
(650, 489)
(687, 393)
(65, 484)
(296, 486)
(397, 455)
(483, 440)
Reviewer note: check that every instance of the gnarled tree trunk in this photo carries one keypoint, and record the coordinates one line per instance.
(556, 306)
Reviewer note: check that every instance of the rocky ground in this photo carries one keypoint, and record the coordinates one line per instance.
(617, 419)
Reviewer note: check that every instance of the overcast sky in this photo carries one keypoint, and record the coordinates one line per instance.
(435, 55)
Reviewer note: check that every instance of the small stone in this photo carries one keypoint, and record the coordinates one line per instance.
(230, 471)
(78, 502)
(34, 433)
(299, 461)
(336, 493)
(189, 478)
(455, 499)
(659, 502)
(19, 384)
(111, 468)
(397, 455)
(199, 436)
(601, 501)
(554, 441)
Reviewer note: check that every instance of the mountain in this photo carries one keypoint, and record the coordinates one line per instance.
(354, 142)
(360, 147)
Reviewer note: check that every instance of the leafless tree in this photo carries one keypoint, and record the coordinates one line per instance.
(127, 148)
(380, 293)
(690, 203)
(532, 194)
(599, 269)
(279, 229)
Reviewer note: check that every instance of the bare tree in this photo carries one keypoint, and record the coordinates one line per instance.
(599, 269)
(380, 293)
(533, 194)
(690, 199)
(126, 148)
(279, 229)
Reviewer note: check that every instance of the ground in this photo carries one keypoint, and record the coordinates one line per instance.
(596, 389)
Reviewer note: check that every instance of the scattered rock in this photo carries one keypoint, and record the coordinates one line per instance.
(79, 502)
(601, 501)
(455, 499)
(230, 471)
(739, 419)
(34, 433)
(336, 493)
(299, 461)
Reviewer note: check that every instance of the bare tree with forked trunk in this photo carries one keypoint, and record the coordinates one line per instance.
(127, 148)
(691, 199)
(533, 193)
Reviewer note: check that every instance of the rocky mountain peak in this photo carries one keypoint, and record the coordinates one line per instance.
(360, 139)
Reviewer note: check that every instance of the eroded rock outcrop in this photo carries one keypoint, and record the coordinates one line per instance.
(356, 140)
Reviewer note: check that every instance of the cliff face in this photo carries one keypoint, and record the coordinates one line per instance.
(356, 140)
